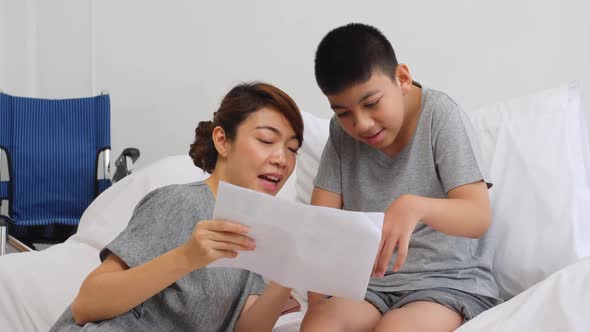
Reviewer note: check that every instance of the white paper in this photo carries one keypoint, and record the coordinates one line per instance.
(324, 250)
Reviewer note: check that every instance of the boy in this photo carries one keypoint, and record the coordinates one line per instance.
(398, 148)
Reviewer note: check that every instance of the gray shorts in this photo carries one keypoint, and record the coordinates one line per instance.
(466, 304)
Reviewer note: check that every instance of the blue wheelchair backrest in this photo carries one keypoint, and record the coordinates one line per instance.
(52, 149)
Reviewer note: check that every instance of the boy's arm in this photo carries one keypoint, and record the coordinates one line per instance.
(322, 197)
(466, 212)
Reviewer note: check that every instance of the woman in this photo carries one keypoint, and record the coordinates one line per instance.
(153, 276)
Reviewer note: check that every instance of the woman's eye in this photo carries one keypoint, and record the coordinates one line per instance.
(293, 150)
(343, 114)
(264, 141)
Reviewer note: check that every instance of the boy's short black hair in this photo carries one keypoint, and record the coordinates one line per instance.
(349, 54)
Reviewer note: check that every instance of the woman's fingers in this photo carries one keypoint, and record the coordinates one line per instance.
(226, 254)
(223, 231)
(230, 246)
(224, 226)
(226, 237)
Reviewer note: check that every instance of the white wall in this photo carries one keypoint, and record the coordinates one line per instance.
(3, 41)
(166, 64)
(18, 66)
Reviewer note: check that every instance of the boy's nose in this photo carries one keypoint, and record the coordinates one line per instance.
(363, 123)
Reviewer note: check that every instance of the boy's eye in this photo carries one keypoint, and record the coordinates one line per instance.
(371, 105)
(294, 150)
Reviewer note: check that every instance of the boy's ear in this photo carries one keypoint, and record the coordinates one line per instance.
(403, 77)
(220, 141)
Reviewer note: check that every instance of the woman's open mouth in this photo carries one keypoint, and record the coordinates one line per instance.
(270, 182)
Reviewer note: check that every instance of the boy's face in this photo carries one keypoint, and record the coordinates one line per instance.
(373, 111)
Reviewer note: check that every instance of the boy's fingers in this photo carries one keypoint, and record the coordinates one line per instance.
(402, 252)
(385, 256)
(381, 243)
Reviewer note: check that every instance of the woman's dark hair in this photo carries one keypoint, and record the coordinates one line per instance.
(236, 106)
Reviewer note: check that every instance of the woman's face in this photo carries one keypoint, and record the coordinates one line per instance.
(263, 153)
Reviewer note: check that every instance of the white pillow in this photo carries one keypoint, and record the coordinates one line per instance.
(289, 191)
(110, 212)
(559, 303)
(315, 136)
(37, 286)
(536, 148)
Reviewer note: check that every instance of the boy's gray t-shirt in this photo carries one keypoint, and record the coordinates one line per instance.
(441, 156)
(207, 299)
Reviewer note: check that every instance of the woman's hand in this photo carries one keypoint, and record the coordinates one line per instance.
(400, 220)
(215, 239)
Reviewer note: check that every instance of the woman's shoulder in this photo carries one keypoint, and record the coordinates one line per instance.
(178, 194)
(193, 188)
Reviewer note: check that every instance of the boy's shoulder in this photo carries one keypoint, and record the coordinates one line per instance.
(441, 109)
(438, 102)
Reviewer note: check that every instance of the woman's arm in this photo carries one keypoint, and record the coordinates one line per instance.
(261, 313)
(114, 288)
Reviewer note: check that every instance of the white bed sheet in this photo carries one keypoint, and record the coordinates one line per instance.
(36, 287)
(31, 299)
(559, 303)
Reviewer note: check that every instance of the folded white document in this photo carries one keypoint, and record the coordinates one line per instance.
(324, 250)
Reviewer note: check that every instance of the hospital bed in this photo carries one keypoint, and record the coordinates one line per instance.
(536, 148)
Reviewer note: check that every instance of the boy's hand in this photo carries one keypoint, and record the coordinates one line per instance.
(400, 220)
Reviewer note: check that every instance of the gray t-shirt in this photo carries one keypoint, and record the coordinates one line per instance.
(207, 299)
(441, 156)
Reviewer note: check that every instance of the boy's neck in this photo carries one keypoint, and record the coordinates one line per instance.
(412, 110)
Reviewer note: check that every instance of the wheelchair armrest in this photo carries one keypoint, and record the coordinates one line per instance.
(122, 168)
(5, 238)
(3, 235)
(132, 153)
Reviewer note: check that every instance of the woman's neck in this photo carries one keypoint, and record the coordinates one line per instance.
(213, 183)
(216, 177)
